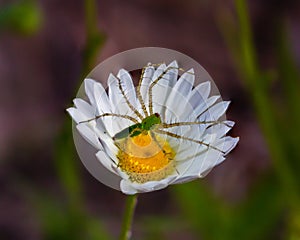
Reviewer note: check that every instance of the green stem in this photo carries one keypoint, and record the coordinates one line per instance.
(131, 202)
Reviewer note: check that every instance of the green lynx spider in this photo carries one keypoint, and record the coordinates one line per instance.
(152, 121)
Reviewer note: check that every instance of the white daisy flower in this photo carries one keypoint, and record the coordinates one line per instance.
(165, 131)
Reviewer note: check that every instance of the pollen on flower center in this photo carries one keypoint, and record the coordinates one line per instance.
(145, 157)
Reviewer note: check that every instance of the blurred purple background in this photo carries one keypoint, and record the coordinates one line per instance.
(40, 73)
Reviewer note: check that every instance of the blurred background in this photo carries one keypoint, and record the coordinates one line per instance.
(252, 51)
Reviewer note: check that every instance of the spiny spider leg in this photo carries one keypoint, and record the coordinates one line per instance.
(139, 95)
(111, 115)
(155, 82)
(188, 139)
(127, 101)
(161, 148)
(156, 141)
(121, 145)
(176, 124)
(158, 64)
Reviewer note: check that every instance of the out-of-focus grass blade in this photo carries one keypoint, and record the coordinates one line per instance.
(56, 220)
(276, 128)
(257, 216)
(289, 74)
(202, 208)
(23, 17)
(67, 164)
(258, 88)
(212, 219)
(289, 77)
(69, 219)
(95, 230)
(59, 221)
(158, 227)
(82, 224)
(94, 38)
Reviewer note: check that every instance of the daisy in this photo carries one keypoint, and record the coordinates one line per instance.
(165, 131)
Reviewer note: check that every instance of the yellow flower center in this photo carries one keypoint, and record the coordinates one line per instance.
(145, 157)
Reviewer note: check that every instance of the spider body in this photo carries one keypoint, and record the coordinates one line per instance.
(138, 128)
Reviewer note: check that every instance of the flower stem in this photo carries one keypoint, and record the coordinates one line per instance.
(131, 202)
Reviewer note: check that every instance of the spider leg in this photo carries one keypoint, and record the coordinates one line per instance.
(121, 144)
(111, 115)
(127, 100)
(139, 95)
(176, 124)
(155, 82)
(174, 135)
(159, 145)
(156, 141)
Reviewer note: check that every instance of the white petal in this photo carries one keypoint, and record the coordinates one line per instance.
(229, 123)
(103, 106)
(89, 135)
(189, 176)
(159, 71)
(167, 76)
(89, 89)
(199, 94)
(155, 88)
(220, 129)
(215, 112)
(211, 159)
(106, 161)
(118, 105)
(84, 107)
(185, 160)
(201, 108)
(219, 109)
(77, 115)
(219, 161)
(185, 178)
(115, 96)
(177, 107)
(101, 99)
(203, 89)
(226, 144)
(106, 140)
(160, 90)
(203, 158)
(146, 81)
(177, 103)
(128, 87)
(188, 150)
(153, 185)
(183, 166)
(172, 73)
(127, 188)
(185, 83)
(201, 164)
